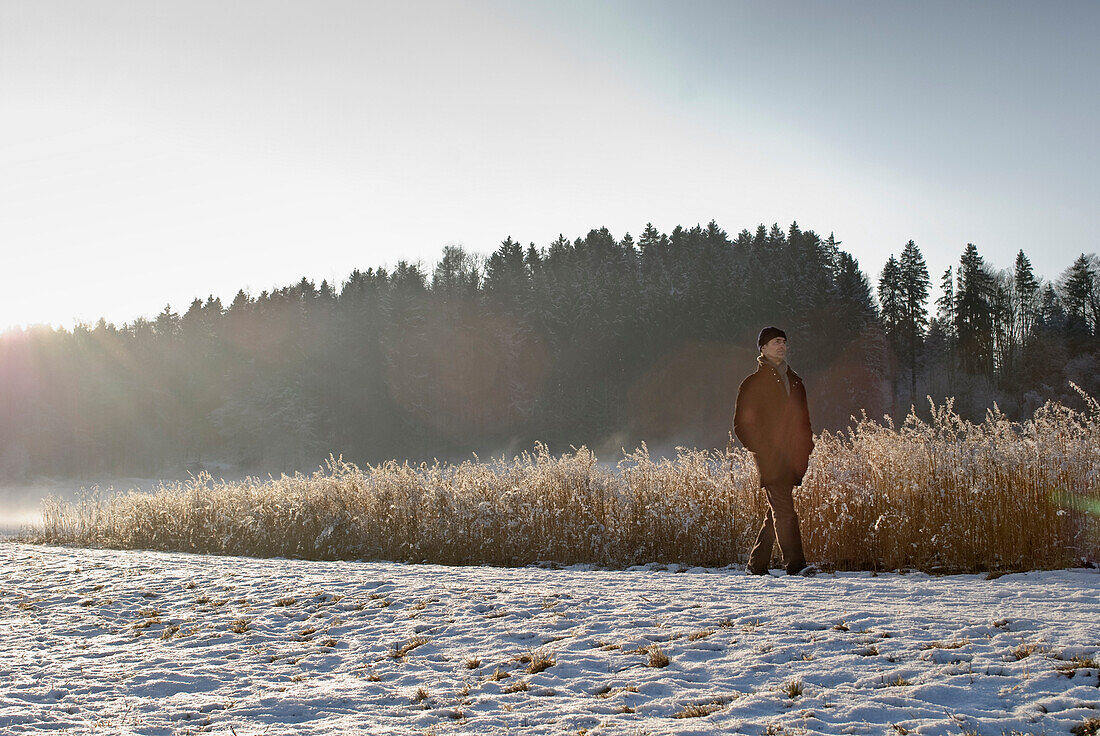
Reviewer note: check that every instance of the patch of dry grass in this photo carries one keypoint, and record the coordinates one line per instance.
(656, 658)
(953, 644)
(149, 617)
(698, 711)
(944, 494)
(1069, 667)
(793, 688)
(1025, 650)
(607, 691)
(402, 650)
(1088, 727)
(519, 686)
(540, 660)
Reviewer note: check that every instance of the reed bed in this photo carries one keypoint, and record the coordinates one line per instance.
(941, 495)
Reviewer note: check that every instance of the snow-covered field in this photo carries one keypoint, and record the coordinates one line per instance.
(98, 641)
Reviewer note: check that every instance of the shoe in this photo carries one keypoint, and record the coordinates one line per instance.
(808, 571)
(750, 571)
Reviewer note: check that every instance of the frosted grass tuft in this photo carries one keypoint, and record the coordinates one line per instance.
(944, 495)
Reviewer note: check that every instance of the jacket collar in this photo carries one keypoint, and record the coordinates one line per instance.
(765, 363)
(785, 367)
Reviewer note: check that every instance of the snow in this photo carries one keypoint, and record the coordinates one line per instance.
(101, 641)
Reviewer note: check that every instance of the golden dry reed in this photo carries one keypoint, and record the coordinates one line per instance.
(944, 495)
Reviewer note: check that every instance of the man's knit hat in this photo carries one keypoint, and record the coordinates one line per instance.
(768, 334)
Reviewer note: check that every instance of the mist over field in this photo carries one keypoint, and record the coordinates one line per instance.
(21, 505)
(605, 341)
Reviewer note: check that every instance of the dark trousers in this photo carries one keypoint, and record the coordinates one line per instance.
(780, 523)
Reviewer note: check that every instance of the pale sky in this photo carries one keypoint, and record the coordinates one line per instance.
(152, 152)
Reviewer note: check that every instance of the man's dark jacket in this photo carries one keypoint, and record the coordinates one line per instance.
(773, 425)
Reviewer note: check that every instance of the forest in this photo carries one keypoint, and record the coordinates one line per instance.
(598, 341)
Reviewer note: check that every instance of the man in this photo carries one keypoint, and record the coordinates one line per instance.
(772, 420)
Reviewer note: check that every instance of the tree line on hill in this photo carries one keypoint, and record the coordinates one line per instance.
(599, 341)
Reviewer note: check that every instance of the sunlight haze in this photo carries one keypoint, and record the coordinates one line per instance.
(154, 153)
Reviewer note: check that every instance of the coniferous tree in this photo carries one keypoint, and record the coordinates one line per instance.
(1052, 314)
(1026, 292)
(939, 359)
(1003, 308)
(507, 279)
(945, 305)
(365, 411)
(974, 314)
(890, 308)
(1080, 292)
(913, 297)
(854, 296)
(890, 299)
(167, 324)
(812, 288)
(944, 352)
(861, 367)
(1042, 371)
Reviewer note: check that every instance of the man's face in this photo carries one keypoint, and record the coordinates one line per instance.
(775, 350)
